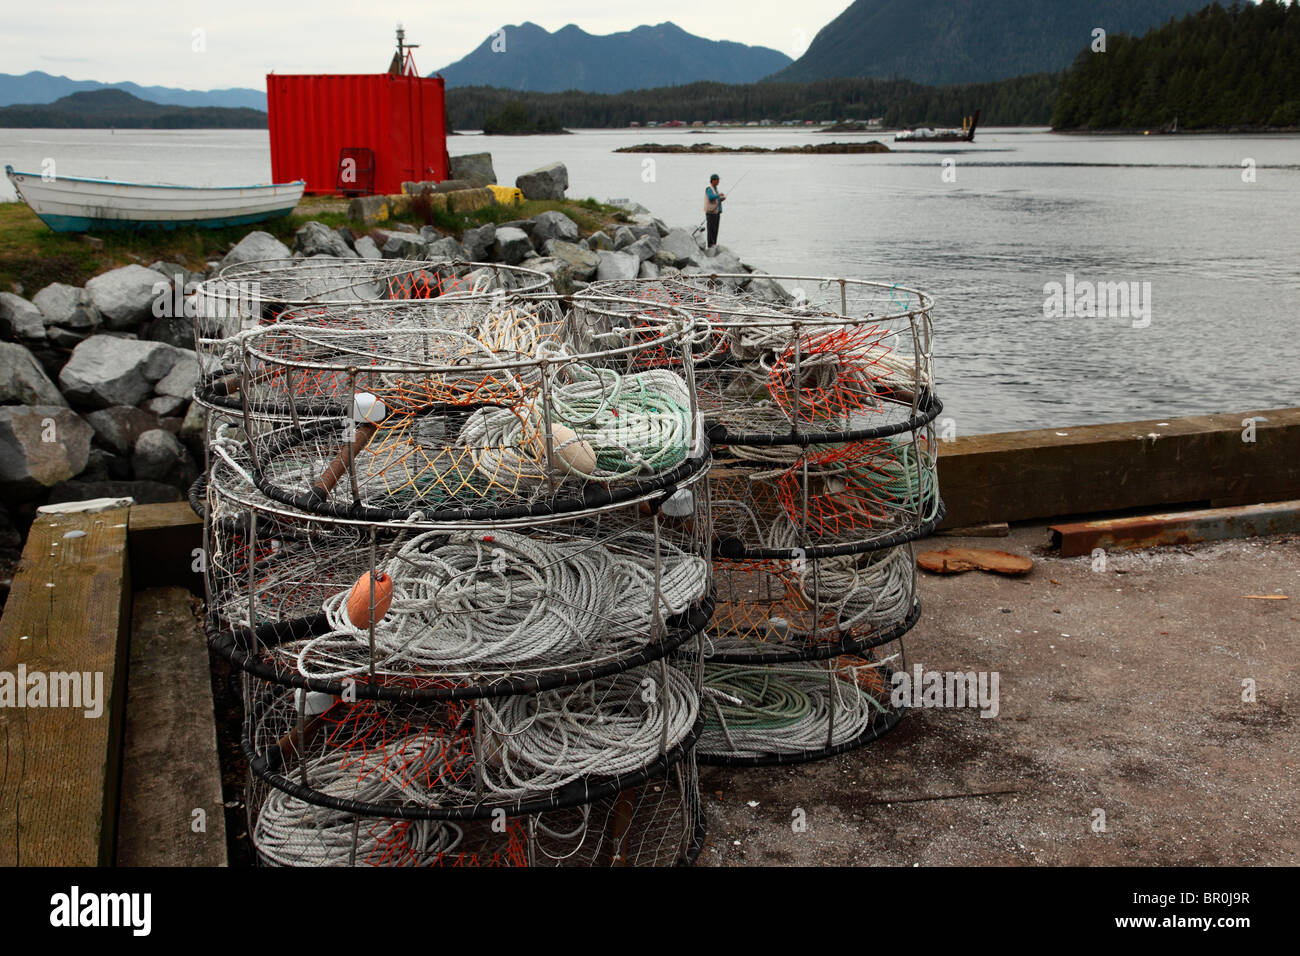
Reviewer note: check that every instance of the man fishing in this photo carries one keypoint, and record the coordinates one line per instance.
(713, 209)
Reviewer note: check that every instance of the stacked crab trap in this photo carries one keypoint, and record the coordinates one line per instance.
(819, 406)
(458, 546)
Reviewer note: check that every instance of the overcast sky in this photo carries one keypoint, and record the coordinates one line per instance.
(151, 41)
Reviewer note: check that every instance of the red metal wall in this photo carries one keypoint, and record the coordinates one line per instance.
(402, 118)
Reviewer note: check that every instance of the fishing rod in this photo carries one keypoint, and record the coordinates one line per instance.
(701, 226)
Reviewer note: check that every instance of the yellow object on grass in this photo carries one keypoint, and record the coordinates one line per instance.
(508, 195)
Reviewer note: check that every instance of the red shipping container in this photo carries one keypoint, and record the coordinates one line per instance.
(402, 119)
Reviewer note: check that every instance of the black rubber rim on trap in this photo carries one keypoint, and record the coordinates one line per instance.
(928, 408)
(681, 628)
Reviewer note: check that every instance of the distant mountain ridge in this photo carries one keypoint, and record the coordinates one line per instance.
(102, 109)
(969, 41)
(535, 59)
(37, 87)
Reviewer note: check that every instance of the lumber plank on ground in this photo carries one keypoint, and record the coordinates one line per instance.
(67, 611)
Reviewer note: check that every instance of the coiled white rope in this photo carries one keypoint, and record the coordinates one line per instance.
(783, 709)
(291, 832)
(476, 601)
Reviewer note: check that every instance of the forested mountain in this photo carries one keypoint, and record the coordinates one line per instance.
(1216, 68)
(969, 41)
(101, 109)
(528, 57)
(1025, 100)
(37, 87)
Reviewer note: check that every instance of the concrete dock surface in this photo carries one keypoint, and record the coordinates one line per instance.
(1122, 735)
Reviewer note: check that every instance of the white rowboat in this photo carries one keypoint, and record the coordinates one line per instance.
(71, 204)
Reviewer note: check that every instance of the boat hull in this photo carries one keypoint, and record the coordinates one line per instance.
(81, 205)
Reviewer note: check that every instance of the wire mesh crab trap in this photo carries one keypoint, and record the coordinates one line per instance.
(459, 548)
(841, 360)
(250, 294)
(820, 406)
(800, 711)
(460, 610)
(486, 410)
(654, 823)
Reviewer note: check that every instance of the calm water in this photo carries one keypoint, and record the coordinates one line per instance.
(1222, 256)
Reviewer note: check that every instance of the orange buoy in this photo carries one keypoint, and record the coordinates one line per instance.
(359, 599)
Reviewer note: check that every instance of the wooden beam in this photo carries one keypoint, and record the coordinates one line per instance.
(163, 538)
(67, 612)
(170, 769)
(1179, 527)
(1055, 472)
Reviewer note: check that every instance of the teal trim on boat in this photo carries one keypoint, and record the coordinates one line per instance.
(86, 223)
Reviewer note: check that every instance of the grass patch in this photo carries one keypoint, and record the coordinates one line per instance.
(32, 255)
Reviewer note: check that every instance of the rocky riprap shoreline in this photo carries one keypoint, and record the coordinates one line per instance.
(96, 383)
(869, 147)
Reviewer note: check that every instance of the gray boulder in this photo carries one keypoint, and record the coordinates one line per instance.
(175, 332)
(475, 167)
(445, 248)
(648, 270)
(254, 246)
(644, 248)
(368, 209)
(40, 446)
(125, 297)
(23, 381)
(19, 319)
(349, 240)
(720, 260)
(599, 240)
(644, 222)
(118, 427)
(511, 245)
(581, 262)
(181, 380)
(554, 225)
(767, 289)
(681, 245)
(159, 456)
(623, 237)
(478, 242)
(557, 270)
(165, 406)
(317, 239)
(106, 370)
(402, 245)
(67, 306)
(617, 265)
(367, 249)
(177, 274)
(545, 182)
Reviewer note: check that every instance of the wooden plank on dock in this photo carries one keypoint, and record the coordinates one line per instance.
(171, 813)
(163, 540)
(1234, 458)
(67, 612)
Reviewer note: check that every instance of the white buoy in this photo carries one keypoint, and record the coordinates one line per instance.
(680, 504)
(368, 408)
(577, 454)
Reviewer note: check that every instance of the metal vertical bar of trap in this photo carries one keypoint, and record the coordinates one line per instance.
(350, 435)
(661, 633)
(547, 436)
(373, 530)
